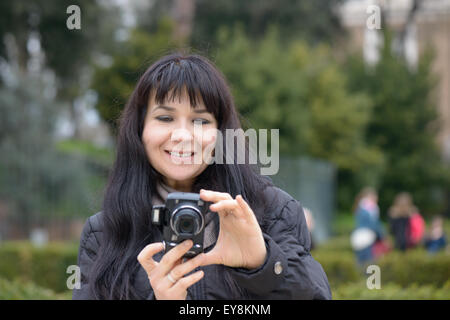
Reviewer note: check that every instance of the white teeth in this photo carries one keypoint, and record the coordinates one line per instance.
(181, 155)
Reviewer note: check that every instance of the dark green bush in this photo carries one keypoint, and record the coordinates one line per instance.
(339, 266)
(391, 291)
(400, 268)
(44, 266)
(415, 266)
(20, 290)
(414, 274)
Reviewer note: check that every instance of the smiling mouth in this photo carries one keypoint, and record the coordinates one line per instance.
(180, 154)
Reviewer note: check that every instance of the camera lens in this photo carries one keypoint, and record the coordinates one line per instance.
(187, 221)
(186, 225)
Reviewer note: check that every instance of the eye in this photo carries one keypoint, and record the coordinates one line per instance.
(164, 118)
(202, 121)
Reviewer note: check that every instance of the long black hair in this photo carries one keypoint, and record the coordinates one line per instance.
(132, 182)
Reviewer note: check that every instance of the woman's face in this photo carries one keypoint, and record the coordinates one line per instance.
(178, 140)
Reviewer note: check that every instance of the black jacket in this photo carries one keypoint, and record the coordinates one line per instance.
(289, 272)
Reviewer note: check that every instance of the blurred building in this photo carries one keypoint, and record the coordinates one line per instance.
(418, 24)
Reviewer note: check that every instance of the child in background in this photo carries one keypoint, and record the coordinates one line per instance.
(435, 239)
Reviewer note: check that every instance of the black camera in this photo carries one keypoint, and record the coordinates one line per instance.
(182, 217)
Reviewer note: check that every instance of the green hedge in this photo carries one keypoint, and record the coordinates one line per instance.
(391, 291)
(400, 268)
(416, 266)
(340, 267)
(46, 267)
(411, 274)
(19, 290)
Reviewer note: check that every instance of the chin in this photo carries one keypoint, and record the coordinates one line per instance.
(180, 174)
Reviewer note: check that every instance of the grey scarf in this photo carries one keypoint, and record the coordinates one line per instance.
(211, 218)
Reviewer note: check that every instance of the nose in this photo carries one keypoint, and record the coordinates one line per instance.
(181, 134)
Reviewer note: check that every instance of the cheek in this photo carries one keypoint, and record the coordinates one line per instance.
(153, 137)
(209, 137)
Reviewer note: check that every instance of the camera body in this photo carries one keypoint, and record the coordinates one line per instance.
(182, 217)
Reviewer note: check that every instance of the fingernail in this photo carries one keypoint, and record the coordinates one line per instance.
(188, 243)
(199, 274)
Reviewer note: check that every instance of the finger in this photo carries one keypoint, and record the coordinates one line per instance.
(181, 269)
(248, 212)
(184, 268)
(165, 280)
(170, 258)
(213, 196)
(227, 207)
(188, 281)
(145, 257)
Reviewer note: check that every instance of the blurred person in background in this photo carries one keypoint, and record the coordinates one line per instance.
(367, 239)
(435, 239)
(406, 224)
(310, 224)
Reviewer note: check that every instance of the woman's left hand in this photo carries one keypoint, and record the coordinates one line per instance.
(240, 242)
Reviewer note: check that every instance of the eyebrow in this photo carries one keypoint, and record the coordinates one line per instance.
(172, 109)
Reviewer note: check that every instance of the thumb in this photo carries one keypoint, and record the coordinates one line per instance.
(211, 257)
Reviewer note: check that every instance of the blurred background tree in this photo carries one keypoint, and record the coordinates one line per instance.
(404, 125)
(315, 21)
(306, 95)
(41, 26)
(36, 181)
(44, 70)
(115, 82)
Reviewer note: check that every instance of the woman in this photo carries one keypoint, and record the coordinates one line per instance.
(400, 214)
(368, 227)
(256, 246)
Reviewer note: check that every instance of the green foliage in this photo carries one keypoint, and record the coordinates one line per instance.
(413, 274)
(415, 266)
(338, 243)
(36, 179)
(339, 266)
(67, 52)
(302, 91)
(410, 275)
(98, 162)
(314, 21)
(404, 126)
(115, 83)
(101, 157)
(343, 224)
(391, 291)
(298, 89)
(19, 290)
(404, 269)
(45, 267)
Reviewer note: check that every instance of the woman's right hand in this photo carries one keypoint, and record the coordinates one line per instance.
(167, 277)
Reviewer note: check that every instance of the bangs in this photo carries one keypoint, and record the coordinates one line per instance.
(177, 76)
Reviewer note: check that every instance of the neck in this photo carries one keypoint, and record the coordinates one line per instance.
(183, 186)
